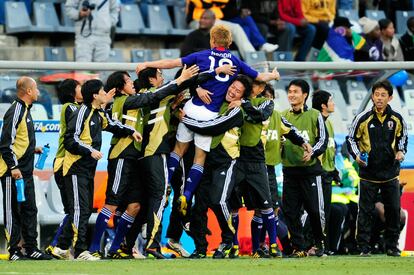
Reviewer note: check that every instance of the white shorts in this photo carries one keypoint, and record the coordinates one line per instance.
(200, 113)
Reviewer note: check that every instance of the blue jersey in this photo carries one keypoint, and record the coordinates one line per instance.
(209, 60)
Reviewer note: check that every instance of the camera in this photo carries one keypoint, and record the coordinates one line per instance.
(87, 6)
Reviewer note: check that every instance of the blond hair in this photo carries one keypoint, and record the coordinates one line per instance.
(220, 36)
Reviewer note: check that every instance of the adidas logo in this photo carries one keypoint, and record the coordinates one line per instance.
(266, 202)
(189, 180)
(106, 220)
(172, 168)
(371, 126)
(222, 173)
(92, 123)
(28, 120)
(313, 184)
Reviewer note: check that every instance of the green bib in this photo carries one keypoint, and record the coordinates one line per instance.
(328, 158)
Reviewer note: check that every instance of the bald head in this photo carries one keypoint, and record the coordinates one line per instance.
(27, 89)
(207, 20)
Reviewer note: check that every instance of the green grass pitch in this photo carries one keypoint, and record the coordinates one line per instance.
(329, 265)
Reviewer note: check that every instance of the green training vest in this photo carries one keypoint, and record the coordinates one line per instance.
(328, 158)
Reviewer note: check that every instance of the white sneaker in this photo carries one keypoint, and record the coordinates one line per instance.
(267, 47)
(87, 256)
(177, 247)
(60, 254)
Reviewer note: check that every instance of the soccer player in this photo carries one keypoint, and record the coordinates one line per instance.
(82, 143)
(17, 148)
(302, 182)
(206, 104)
(218, 180)
(124, 185)
(382, 133)
(70, 96)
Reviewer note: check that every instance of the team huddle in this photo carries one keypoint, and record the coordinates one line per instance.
(216, 148)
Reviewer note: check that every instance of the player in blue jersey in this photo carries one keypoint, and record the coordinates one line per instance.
(206, 103)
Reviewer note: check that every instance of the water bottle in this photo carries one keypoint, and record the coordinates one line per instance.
(20, 190)
(42, 157)
(364, 157)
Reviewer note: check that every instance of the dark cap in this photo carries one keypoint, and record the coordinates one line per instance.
(342, 22)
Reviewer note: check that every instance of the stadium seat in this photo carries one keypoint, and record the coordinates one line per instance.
(131, 21)
(396, 102)
(332, 87)
(20, 23)
(313, 55)
(236, 53)
(159, 21)
(8, 95)
(45, 17)
(55, 54)
(408, 90)
(67, 24)
(375, 14)
(255, 57)
(3, 109)
(401, 18)
(57, 108)
(116, 55)
(140, 55)
(38, 112)
(169, 53)
(282, 56)
(281, 100)
(357, 92)
(180, 23)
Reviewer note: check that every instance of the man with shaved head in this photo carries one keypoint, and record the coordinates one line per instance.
(17, 149)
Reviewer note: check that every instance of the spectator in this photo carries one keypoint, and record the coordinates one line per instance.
(242, 16)
(372, 51)
(320, 13)
(199, 39)
(391, 50)
(266, 16)
(407, 41)
(93, 22)
(196, 8)
(291, 12)
(341, 42)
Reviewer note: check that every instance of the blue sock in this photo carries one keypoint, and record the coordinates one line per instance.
(263, 233)
(235, 222)
(59, 231)
(269, 223)
(117, 217)
(194, 177)
(172, 164)
(100, 226)
(124, 225)
(256, 227)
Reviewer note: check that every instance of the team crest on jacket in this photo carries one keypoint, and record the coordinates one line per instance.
(390, 125)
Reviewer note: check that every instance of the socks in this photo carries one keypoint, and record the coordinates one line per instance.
(59, 231)
(269, 222)
(125, 223)
(194, 177)
(235, 222)
(172, 163)
(263, 234)
(256, 228)
(117, 217)
(100, 226)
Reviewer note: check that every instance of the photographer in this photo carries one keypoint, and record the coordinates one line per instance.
(93, 22)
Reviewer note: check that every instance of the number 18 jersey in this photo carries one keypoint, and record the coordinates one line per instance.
(209, 60)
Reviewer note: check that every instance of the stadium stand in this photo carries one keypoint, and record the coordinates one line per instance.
(3, 108)
(45, 17)
(67, 24)
(255, 57)
(375, 14)
(39, 112)
(116, 55)
(332, 87)
(17, 24)
(313, 54)
(159, 22)
(169, 53)
(281, 101)
(130, 20)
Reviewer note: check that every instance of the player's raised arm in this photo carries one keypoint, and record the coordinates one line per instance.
(159, 64)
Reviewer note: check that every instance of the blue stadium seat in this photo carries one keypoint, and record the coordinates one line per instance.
(140, 55)
(180, 23)
(236, 53)
(45, 17)
(159, 21)
(255, 57)
(333, 88)
(55, 54)
(116, 55)
(131, 21)
(282, 56)
(67, 24)
(313, 55)
(281, 100)
(20, 23)
(401, 18)
(375, 14)
(169, 53)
